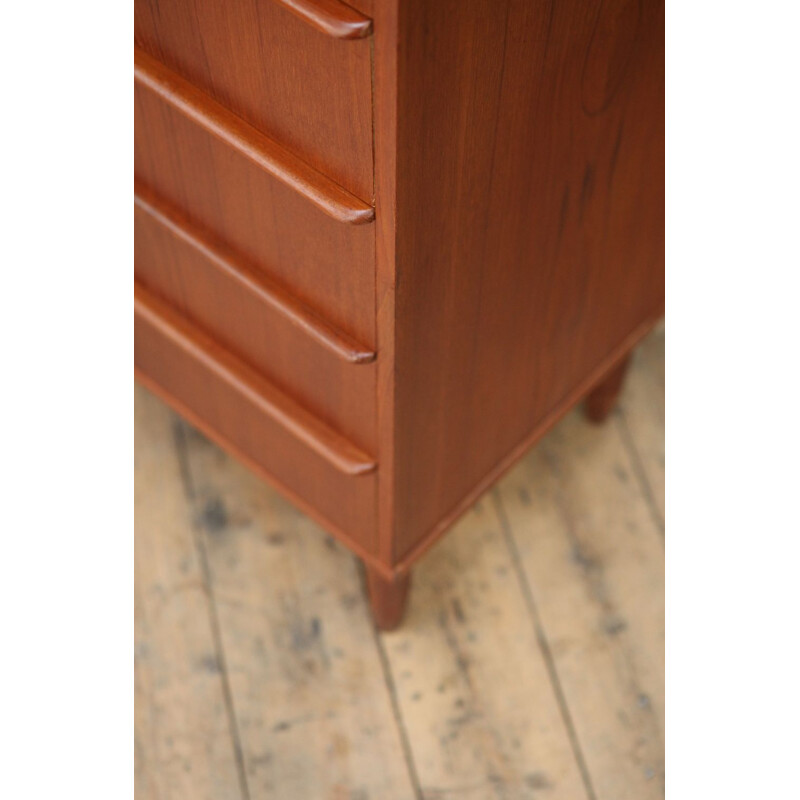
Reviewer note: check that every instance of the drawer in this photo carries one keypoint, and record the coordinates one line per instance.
(316, 466)
(307, 234)
(322, 368)
(298, 70)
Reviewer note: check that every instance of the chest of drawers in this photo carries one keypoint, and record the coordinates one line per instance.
(382, 247)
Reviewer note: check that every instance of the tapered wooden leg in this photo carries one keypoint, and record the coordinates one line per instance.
(601, 400)
(387, 598)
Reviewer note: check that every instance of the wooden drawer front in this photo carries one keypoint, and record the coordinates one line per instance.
(326, 371)
(319, 468)
(291, 75)
(287, 223)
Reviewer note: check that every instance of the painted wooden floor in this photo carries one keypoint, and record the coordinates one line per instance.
(530, 664)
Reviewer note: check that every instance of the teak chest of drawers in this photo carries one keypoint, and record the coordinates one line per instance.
(382, 247)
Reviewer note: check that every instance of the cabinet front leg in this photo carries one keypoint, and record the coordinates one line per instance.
(601, 400)
(387, 597)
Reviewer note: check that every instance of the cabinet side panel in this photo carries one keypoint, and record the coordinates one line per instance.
(530, 225)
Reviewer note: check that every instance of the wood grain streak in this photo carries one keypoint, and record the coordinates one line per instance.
(251, 143)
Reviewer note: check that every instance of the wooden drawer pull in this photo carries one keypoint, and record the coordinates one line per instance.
(293, 310)
(331, 17)
(340, 453)
(183, 96)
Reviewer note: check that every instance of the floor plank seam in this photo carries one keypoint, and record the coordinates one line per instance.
(395, 704)
(544, 646)
(216, 630)
(639, 471)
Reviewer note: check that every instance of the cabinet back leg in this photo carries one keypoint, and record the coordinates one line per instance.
(601, 400)
(387, 598)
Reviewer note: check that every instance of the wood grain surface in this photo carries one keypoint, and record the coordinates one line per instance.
(529, 225)
(307, 91)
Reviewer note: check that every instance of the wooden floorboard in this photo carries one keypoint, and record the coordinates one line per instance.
(313, 709)
(593, 563)
(530, 664)
(641, 419)
(473, 688)
(184, 743)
